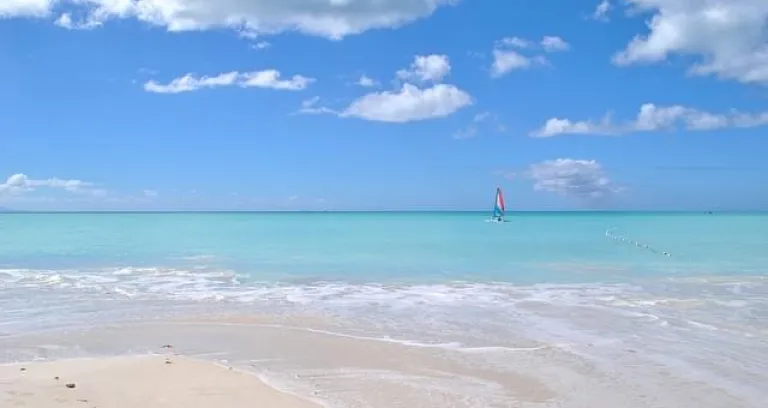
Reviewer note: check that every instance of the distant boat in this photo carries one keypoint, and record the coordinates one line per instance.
(498, 207)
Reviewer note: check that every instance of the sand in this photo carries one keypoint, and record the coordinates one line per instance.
(285, 362)
(137, 381)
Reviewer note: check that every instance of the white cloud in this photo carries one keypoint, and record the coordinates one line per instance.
(23, 192)
(508, 53)
(729, 37)
(652, 117)
(271, 79)
(409, 103)
(601, 11)
(747, 120)
(554, 44)
(261, 45)
(366, 82)
(189, 83)
(308, 103)
(65, 21)
(557, 126)
(425, 68)
(655, 118)
(332, 19)
(19, 183)
(259, 79)
(584, 179)
(515, 42)
(505, 61)
(309, 107)
(25, 8)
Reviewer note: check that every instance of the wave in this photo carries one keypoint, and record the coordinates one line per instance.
(711, 323)
(200, 283)
(555, 312)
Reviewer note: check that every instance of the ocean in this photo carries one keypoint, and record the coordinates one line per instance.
(686, 291)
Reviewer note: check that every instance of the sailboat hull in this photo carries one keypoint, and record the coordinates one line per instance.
(497, 221)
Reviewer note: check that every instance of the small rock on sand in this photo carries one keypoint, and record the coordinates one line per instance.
(70, 385)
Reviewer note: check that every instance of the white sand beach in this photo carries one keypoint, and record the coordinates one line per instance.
(281, 362)
(136, 381)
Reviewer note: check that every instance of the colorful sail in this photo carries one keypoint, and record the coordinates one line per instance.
(498, 205)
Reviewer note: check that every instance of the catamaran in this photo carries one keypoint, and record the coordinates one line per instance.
(498, 207)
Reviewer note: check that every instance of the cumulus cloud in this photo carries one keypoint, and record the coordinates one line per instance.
(583, 179)
(554, 44)
(506, 61)
(729, 38)
(655, 118)
(513, 53)
(19, 184)
(409, 103)
(65, 21)
(426, 68)
(25, 8)
(366, 82)
(557, 126)
(259, 79)
(333, 19)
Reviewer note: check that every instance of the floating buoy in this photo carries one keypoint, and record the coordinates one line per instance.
(609, 234)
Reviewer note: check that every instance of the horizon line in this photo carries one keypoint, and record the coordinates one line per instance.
(169, 211)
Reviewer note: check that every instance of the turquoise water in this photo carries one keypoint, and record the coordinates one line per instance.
(686, 291)
(389, 247)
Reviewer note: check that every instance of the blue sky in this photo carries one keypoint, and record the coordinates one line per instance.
(259, 104)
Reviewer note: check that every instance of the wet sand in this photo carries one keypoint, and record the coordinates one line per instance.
(306, 357)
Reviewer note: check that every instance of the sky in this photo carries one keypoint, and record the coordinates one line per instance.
(383, 104)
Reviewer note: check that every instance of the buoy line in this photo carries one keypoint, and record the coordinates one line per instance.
(621, 238)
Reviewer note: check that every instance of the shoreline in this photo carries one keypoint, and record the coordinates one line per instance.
(324, 368)
(307, 358)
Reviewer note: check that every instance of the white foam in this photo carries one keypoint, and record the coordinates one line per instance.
(455, 346)
(681, 320)
(225, 285)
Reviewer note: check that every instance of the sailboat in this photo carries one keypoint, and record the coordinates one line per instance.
(498, 207)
